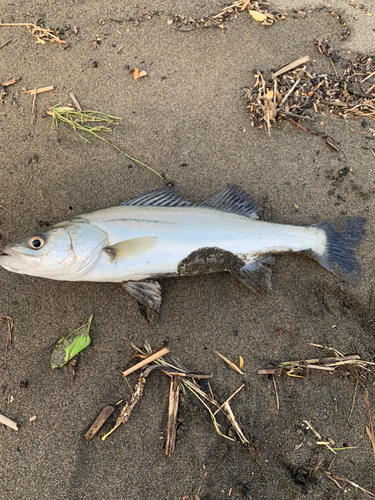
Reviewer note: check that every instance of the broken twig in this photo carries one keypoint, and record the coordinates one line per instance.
(99, 422)
(172, 415)
(8, 422)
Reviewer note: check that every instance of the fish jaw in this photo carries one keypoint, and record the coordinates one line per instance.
(17, 263)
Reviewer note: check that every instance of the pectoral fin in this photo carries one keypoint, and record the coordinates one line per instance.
(129, 249)
(255, 275)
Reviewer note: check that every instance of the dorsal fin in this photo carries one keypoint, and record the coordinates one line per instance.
(163, 198)
(233, 199)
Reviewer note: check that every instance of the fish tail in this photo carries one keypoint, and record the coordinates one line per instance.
(335, 247)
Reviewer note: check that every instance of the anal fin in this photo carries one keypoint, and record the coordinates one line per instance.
(255, 275)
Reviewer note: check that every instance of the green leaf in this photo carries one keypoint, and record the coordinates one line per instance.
(68, 347)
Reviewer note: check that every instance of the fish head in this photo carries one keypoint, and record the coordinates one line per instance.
(64, 251)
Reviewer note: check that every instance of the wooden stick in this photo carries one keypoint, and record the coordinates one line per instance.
(75, 101)
(153, 357)
(33, 110)
(38, 91)
(294, 115)
(230, 397)
(8, 422)
(6, 43)
(277, 396)
(290, 91)
(172, 415)
(292, 65)
(99, 422)
(367, 77)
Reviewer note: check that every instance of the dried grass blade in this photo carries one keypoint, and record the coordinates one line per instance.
(292, 65)
(230, 397)
(229, 363)
(331, 476)
(233, 421)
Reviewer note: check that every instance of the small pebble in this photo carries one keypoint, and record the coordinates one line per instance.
(95, 64)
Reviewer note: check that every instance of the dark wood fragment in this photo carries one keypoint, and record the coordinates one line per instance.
(99, 422)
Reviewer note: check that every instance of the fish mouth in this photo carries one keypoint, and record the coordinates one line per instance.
(17, 262)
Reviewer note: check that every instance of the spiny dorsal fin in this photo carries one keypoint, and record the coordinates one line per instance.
(233, 199)
(131, 248)
(162, 198)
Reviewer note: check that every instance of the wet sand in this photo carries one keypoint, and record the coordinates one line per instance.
(188, 119)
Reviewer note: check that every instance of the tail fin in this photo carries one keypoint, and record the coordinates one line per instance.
(338, 256)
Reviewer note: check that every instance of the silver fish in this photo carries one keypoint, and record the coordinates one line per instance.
(161, 234)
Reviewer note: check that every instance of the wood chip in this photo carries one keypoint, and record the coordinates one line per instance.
(33, 418)
(8, 422)
(99, 422)
(11, 81)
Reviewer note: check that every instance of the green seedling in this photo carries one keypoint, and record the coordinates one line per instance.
(91, 122)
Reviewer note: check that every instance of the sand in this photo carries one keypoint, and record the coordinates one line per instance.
(191, 110)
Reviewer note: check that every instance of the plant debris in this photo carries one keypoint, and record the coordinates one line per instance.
(99, 422)
(301, 368)
(230, 363)
(42, 35)
(335, 479)
(127, 409)
(180, 378)
(10, 326)
(8, 422)
(11, 81)
(174, 393)
(138, 74)
(296, 93)
(257, 10)
(68, 347)
(41, 90)
(90, 122)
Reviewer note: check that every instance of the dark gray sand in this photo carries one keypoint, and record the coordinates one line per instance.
(190, 109)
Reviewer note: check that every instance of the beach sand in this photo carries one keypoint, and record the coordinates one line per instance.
(188, 119)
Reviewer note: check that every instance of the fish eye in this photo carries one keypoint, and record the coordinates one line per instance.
(36, 242)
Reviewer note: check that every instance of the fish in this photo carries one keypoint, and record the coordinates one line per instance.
(161, 234)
